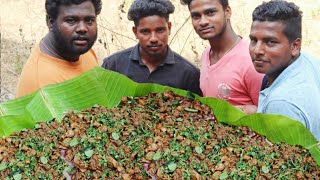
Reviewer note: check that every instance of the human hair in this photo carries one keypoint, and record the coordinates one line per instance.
(52, 6)
(224, 3)
(286, 12)
(143, 8)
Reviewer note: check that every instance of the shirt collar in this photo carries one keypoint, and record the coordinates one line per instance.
(290, 71)
(264, 84)
(135, 56)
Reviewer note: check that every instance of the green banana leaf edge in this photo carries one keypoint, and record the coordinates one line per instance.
(104, 87)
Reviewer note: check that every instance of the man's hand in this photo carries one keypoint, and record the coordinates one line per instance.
(248, 109)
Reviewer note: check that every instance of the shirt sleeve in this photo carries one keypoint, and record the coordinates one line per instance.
(194, 85)
(29, 78)
(285, 108)
(28, 82)
(108, 64)
(191, 80)
(253, 81)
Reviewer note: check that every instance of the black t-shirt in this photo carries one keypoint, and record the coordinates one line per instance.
(175, 71)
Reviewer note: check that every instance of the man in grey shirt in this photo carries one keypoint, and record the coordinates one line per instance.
(152, 60)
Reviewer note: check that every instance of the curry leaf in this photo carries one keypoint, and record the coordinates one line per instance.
(74, 142)
(43, 160)
(190, 96)
(37, 126)
(190, 110)
(224, 175)
(88, 153)
(17, 176)
(172, 166)
(198, 149)
(115, 136)
(3, 166)
(265, 169)
(157, 156)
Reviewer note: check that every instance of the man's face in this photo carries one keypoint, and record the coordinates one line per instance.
(209, 19)
(153, 33)
(270, 49)
(75, 28)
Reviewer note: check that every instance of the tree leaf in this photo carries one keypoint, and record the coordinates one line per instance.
(104, 87)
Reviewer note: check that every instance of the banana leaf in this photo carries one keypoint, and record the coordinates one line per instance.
(103, 87)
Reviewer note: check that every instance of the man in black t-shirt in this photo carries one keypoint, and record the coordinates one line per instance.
(151, 60)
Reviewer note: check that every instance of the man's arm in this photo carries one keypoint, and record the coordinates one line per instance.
(193, 81)
(28, 80)
(26, 85)
(248, 109)
(108, 63)
(286, 108)
(195, 86)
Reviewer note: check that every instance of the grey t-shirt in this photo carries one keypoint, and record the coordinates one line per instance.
(175, 71)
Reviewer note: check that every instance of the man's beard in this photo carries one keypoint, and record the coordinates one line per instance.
(219, 34)
(159, 55)
(223, 30)
(65, 46)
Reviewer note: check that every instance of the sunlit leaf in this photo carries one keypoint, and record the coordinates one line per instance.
(157, 156)
(88, 153)
(198, 149)
(3, 166)
(224, 175)
(43, 160)
(265, 169)
(17, 177)
(172, 167)
(115, 136)
(74, 142)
